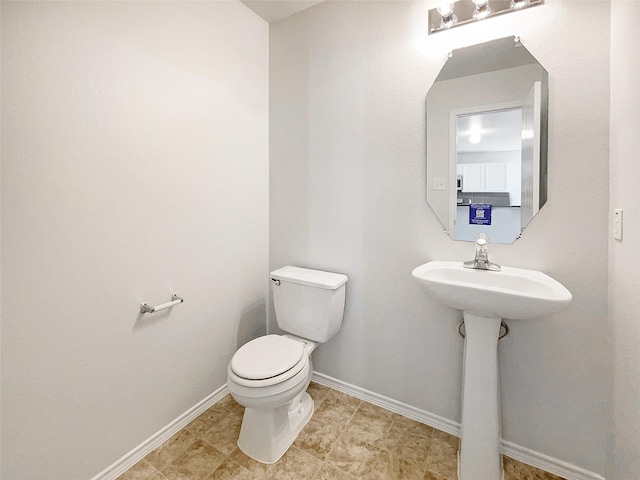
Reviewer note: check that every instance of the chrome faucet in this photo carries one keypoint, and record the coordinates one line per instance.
(481, 260)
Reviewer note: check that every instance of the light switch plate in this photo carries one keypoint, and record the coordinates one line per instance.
(617, 223)
(439, 184)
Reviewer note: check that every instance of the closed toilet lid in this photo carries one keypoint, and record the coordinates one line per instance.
(266, 357)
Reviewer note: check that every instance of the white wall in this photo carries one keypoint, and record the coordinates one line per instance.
(134, 164)
(347, 175)
(624, 256)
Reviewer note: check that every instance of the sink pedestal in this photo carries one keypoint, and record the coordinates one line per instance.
(479, 457)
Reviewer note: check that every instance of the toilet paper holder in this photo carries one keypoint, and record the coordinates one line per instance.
(175, 300)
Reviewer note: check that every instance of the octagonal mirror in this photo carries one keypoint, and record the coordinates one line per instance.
(486, 121)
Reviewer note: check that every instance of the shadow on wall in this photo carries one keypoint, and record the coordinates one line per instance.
(253, 322)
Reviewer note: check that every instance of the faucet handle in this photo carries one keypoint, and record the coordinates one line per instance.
(481, 260)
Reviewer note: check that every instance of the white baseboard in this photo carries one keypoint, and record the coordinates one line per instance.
(138, 453)
(535, 459)
(545, 462)
(395, 406)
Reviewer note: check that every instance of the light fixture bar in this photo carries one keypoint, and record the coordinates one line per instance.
(468, 11)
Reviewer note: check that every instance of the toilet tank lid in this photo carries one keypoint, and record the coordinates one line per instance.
(313, 278)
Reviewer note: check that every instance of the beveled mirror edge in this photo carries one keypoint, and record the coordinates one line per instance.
(515, 41)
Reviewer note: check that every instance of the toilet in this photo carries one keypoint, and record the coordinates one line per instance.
(269, 375)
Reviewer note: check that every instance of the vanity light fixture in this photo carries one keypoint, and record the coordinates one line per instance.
(454, 14)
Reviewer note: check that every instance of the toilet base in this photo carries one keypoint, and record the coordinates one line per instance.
(266, 435)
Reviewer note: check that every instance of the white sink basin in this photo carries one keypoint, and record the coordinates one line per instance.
(514, 293)
(485, 297)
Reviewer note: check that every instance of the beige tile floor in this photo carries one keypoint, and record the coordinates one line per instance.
(346, 439)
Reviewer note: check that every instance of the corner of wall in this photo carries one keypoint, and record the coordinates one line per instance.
(623, 445)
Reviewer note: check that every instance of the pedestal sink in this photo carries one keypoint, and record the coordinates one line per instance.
(485, 298)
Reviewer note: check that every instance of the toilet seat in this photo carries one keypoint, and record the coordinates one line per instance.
(268, 360)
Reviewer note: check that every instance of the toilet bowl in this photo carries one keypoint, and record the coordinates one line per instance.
(276, 407)
(269, 375)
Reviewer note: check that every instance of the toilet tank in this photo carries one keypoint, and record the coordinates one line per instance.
(308, 303)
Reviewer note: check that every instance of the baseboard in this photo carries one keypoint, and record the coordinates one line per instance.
(547, 463)
(390, 404)
(535, 459)
(138, 453)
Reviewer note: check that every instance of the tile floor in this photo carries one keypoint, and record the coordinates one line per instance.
(346, 439)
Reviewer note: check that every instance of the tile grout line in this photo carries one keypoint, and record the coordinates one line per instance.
(197, 438)
(154, 468)
(335, 442)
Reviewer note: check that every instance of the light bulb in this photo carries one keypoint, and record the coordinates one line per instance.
(475, 138)
(519, 4)
(445, 9)
(482, 9)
